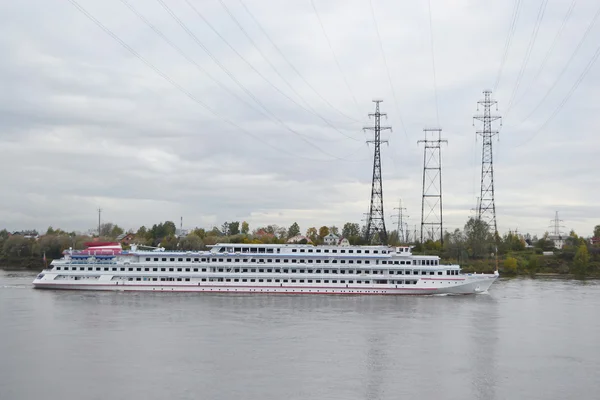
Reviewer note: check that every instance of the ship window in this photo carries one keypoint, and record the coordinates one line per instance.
(154, 269)
(221, 270)
(229, 260)
(145, 269)
(276, 280)
(350, 251)
(203, 259)
(244, 280)
(262, 260)
(375, 251)
(172, 259)
(203, 279)
(318, 261)
(334, 251)
(178, 279)
(310, 250)
(293, 271)
(261, 280)
(138, 279)
(203, 269)
(261, 270)
(269, 280)
(196, 259)
(253, 270)
(318, 250)
(293, 281)
(137, 269)
(334, 261)
(343, 261)
(367, 262)
(350, 281)
(195, 269)
(326, 281)
(270, 270)
(252, 280)
(285, 281)
(178, 269)
(163, 269)
(155, 258)
(326, 250)
(147, 258)
(326, 261)
(171, 269)
(227, 279)
(334, 281)
(164, 259)
(302, 250)
(318, 281)
(423, 272)
(237, 260)
(326, 271)
(350, 261)
(187, 270)
(180, 259)
(366, 251)
(294, 250)
(342, 251)
(294, 260)
(236, 280)
(285, 260)
(220, 260)
(285, 271)
(301, 271)
(407, 272)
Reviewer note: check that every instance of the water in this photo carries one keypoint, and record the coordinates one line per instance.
(526, 339)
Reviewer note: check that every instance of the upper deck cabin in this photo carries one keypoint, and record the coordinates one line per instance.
(304, 249)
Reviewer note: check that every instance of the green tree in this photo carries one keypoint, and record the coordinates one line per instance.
(510, 265)
(532, 265)
(191, 242)
(142, 232)
(334, 229)
(350, 230)
(597, 231)
(17, 246)
(234, 228)
(245, 228)
(50, 231)
(582, 260)
(478, 238)
(294, 230)
(200, 232)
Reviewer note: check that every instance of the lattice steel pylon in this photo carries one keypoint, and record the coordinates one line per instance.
(486, 210)
(375, 219)
(431, 203)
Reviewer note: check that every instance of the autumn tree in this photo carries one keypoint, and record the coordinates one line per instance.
(191, 242)
(323, 231)
(581, 260)
(510, 265)
(312, 234)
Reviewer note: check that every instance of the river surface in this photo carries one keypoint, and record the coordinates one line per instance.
(525, 339)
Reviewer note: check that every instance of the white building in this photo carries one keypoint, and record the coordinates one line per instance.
(331, 240)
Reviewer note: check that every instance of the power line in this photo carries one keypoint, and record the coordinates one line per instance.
(437, 111)
(571, 58)
(581, 77)
(332, 52)
(528, 51)
(511, 32)
(308, 107)
(387, 70)
(311, 87)
(538, 73)
(175, 84)
(273, 117)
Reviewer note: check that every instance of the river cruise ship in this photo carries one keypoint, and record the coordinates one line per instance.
(260, 268)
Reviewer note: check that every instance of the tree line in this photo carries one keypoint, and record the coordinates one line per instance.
(474, 245)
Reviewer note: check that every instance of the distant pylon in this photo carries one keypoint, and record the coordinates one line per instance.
(556, 226)
(375, 220)
(486, 209)
(400, 222)
(431, 203)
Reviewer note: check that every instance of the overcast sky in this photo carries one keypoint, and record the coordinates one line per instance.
(217, 132)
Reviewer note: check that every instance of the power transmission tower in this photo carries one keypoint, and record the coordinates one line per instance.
(99, 213)
(556, 225)
(431, 203)
(400, 222)
(375, 220)
(486, 210)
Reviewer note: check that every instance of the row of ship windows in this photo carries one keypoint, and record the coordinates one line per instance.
(259, 280)
(270, 250)
(285, 260)
(263, 270)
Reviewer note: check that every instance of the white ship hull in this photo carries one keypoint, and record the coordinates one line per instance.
(261, 268)
(470, 284)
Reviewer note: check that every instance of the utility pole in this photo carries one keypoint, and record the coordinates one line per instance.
(400, 222)
(99, 213)
(486, 210)
(376, 220)
(431, 202)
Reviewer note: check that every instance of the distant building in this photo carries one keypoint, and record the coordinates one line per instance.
(299, 239)
(180, 233)
(344, 242)
(594, 241)
(559, 241)
(125, 238)
(331, 239)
